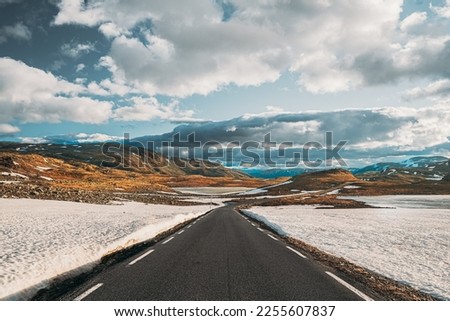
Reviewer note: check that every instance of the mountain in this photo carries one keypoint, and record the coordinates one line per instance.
(129, 158)
(272, 173)
(430, 168)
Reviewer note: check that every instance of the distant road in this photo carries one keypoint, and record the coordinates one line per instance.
(220, 256)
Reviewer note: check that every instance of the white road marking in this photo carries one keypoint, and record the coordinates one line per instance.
(140, 258)
(194, 222)
(296, 252)
(180, 232)
(189, 226)
(253, 224)
(260, 229)
(168, 240)
(272, 237)
(86, 293)
(351, 288)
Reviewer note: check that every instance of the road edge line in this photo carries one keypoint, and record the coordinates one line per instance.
(88, 292)
(140, 257)
(350, 287)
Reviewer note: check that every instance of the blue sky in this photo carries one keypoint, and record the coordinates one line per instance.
(107, 67)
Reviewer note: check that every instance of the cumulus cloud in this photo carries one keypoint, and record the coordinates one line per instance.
(184, 48)
(31, 95)
(78, 12)
(18, 31)
(145, 109)
(8, 130)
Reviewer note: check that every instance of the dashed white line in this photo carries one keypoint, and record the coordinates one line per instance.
(261, 229)
(180, 232)
(189, 226)
(194, 222)
(140, 258)
(272, 237)
(296, 252)
(88, 292)
(168, 240)
(351, 288)
(253, 224)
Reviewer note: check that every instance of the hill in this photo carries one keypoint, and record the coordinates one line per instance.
(130, 158)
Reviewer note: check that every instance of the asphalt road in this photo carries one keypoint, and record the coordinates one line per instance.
(221, 256)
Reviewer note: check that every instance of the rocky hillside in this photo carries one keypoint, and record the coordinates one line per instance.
(132, 159)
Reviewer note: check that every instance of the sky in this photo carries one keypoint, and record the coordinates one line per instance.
(376, 73)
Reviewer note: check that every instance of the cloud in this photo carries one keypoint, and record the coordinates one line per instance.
(18, 31)
(33, 140)
(413, 20)
(31, 95)
(443, 11)
(80, 67)
(436, 90)
(78, 12)
(8, 130)
(184, 48)
(75, 50)
(111, 30)
(145, 109)
(369, 132)
(80, 138)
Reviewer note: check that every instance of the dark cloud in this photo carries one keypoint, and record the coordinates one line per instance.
(369, 133)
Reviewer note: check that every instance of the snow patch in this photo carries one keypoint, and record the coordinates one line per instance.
(43, 169)
(280, 184)
(11, 174)
(254, 191)
(335, 192)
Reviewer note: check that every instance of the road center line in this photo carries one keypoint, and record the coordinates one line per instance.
(260, 229)
(168, 240)
(351, 288)
(180, 232)
(272, 237)
(253, 224)
(296, 252)
(140, 258)
(88, 292)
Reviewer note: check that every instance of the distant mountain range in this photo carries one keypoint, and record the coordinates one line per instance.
(430, 168)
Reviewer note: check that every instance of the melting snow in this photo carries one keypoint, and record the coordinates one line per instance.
(408, 245)
(14, 175)
(42, 239)
(43, 169)
(254, 191)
